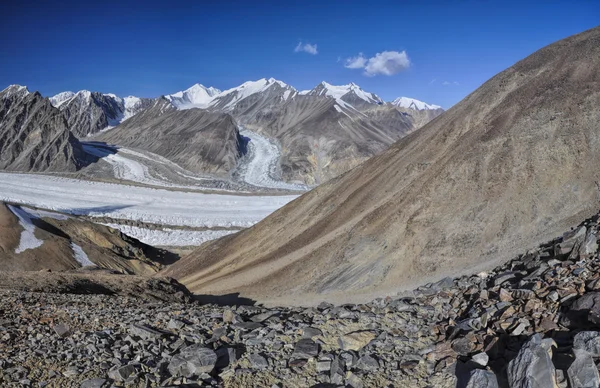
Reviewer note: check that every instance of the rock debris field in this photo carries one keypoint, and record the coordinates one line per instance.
(533, 322)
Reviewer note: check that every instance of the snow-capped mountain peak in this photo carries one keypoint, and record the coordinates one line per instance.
(338, 92)
(228, 99)
(15, 89)
(411, 103)
(197, 96)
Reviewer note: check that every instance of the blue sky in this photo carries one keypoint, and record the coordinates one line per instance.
(445, 49)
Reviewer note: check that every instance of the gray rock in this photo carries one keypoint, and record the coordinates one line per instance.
(480, 378)
(353, 381)
(93, 383)
(533, 365)
(123, 373)
(481, 358)
(305, 349)
(570, 239)
(264, 316)
(588, 341)
(367, 363)
(310, 332)
(62, 330)
(583, 372)
(227, 356)
(193, 361)
(587, 307)
(323, 366)
(144, 332)
(257, 361)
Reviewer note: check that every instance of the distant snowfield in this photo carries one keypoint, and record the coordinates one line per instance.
(150, 205)
(171, 237)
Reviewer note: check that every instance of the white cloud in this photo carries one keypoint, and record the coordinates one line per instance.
(432, 81)
(307, 48)
(357, 62)
(385, 63)
(448, 83)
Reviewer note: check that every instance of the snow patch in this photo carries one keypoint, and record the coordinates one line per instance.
(28, 239)
(80, 256)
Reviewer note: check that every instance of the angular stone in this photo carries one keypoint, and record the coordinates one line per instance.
(337, 371)
(257, 361)
(353, 381)
(583, 372)
(175, 324)
(356, 340)
(310, 332)
(193, 361)
(228, 316)
(367, 363)
(533, 365)
(589, 245)
(570, 239)
(122, 373)
(480, 378)
(587, 307)
(247, 325)
(62, 330)
(588, 341)
(323, 366)
(463, 346)
(264, 316)
(227, 356)
(504, 277)
(93, 383)
(481, 358)
(144, 332)
(305, 349)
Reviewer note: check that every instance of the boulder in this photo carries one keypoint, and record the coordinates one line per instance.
(533, 368)
(482, 379)
(583, 372)
(193, 361)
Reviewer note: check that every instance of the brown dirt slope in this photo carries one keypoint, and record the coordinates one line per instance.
(106, 247)
(513, 164)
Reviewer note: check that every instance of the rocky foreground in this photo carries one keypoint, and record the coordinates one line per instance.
(530, 323)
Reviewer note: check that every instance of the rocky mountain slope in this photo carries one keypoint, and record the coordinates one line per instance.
(508, 167)
(532, 322)
(34, 136)
(32, 240)
(323, 132)
(196, 139)
(88, 112)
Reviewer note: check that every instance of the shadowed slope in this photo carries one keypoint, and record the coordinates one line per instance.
(513, 164)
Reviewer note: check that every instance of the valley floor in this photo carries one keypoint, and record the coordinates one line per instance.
(156, 201)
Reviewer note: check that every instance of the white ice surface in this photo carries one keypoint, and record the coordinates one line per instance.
(171, 237)
(131, 170)
(263, 159)
(28, 239)
(81, 257)
(97, 199)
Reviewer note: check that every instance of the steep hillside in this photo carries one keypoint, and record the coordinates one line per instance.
(88, 112)
(196, 139)
(32, 240)
(34, 136)
(510, 166)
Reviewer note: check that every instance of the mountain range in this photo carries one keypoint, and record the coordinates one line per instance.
(511, 166)
(322, 132)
